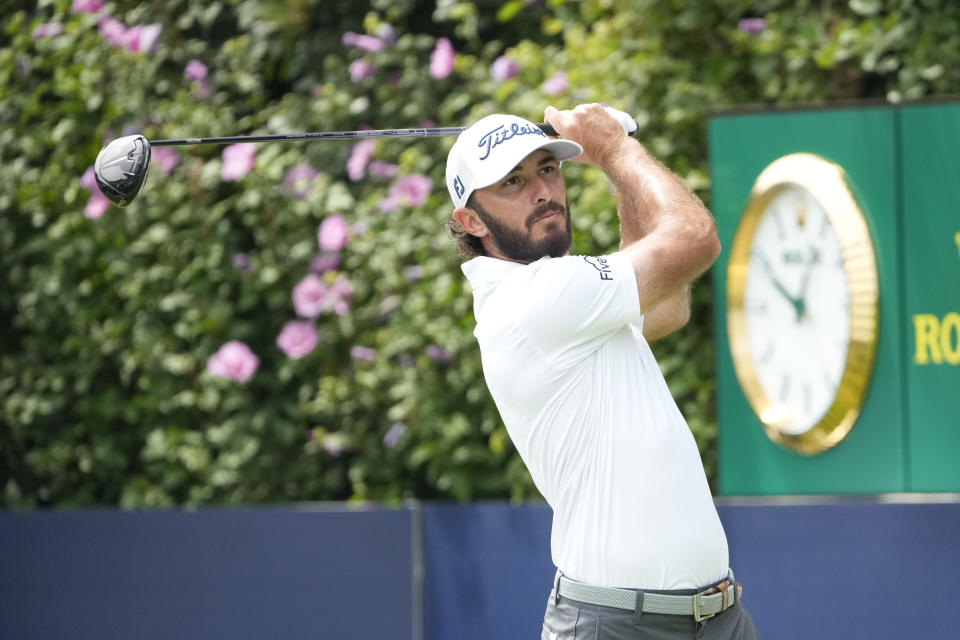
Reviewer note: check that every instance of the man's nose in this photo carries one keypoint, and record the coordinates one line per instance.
(541, 191)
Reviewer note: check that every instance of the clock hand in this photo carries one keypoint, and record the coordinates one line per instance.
(797, 303)
(801, 304)
(801, 299)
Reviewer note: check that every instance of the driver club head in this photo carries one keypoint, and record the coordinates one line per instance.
(121, 168)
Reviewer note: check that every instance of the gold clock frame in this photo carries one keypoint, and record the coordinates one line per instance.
(827, 183)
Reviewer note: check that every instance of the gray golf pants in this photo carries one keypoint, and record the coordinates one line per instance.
(571, 620)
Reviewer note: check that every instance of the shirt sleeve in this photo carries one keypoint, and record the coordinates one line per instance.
(574, 304)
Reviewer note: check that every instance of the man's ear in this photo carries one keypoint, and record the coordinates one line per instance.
(470, 222)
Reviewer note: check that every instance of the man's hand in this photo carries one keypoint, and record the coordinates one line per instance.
(600, 134)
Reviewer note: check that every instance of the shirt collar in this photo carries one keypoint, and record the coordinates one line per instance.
(484, 270)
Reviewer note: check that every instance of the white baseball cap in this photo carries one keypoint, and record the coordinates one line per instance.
(492, 148)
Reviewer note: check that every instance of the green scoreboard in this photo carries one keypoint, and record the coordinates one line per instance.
(838, 299)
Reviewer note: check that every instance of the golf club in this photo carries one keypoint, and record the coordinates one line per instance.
(122, 165)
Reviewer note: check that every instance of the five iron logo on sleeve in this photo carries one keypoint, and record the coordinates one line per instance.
(602, 265)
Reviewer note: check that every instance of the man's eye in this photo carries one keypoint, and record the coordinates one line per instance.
(548, 169)
(510, 181)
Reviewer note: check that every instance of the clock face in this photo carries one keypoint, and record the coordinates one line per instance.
(796, 303)
(802, 295)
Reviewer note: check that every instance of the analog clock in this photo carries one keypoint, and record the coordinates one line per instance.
(802, 303)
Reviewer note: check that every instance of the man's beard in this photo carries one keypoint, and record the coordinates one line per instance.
(518, 245)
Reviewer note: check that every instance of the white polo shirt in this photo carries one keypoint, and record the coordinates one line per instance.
(590, 413)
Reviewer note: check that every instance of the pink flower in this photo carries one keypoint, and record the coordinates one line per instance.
(141, 37)
(415, 187)
(237, 160)
(86, 6)
(297, 181)
(89, 180)
(441, 60)
(233, 361)
(437, 353)
(503, 68)
(298, 338)
(359, 158)
(382, 170)
(149, 36)
(312, 296)
(332, 234)
(557, 83)
(409, 191)
(368, 44)
(195, 70)
(112, 31)
(166, 157)
(47, 29)
(97, 205)
(309, 296)
(323, 262)
(752, 26)
(360, 69)
(359, 352)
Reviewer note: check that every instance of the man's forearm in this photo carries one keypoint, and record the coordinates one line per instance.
(645, 191)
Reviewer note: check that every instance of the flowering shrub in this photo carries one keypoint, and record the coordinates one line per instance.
(288, 321)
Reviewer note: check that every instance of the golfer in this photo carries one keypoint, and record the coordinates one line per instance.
(639, 549)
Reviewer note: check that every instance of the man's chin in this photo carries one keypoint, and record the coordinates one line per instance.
(555, 244)
(553, 224)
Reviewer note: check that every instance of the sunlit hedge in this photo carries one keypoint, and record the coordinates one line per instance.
(288, 321)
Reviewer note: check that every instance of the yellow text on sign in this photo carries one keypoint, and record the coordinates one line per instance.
(937, 339)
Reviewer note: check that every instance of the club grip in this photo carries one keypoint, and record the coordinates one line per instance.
(629, 124)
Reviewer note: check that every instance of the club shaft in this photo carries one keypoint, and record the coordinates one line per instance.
(332, 135)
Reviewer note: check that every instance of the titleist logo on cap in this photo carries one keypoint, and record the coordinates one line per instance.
(491, 139)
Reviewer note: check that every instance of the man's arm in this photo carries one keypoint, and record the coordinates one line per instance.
(666, 233)
(668, 316)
